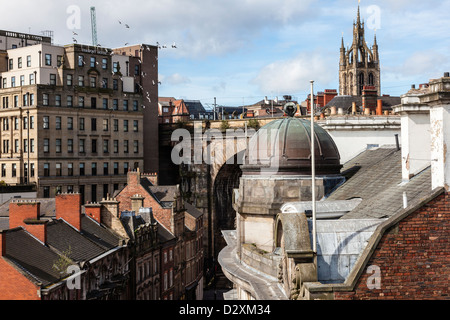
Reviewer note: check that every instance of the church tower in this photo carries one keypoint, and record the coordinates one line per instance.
(359, 65)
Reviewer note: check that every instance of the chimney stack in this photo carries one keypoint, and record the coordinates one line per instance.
(93, 210)
(415, 136)
(26, 214)
(438, 99)
(134, 178)
(68, 207)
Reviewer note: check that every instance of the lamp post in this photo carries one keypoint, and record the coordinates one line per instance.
(313, 170)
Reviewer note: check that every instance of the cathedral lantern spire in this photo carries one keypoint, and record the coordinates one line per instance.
(359, 64)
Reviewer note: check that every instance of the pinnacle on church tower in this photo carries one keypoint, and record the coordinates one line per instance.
(359, 65)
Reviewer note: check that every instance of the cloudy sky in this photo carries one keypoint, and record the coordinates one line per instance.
(240, 51)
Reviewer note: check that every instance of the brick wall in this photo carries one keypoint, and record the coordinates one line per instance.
(162, 215)
(412, 258)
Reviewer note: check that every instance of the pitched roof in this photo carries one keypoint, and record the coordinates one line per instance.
(31, 257)
(345, 102)
(193, 211)
(375, 176)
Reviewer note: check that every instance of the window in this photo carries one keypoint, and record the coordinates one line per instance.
(31, 99)
(105, 83)
(93, 103)
(125, 125)
(81, 102)
(5, 102)
(125, 105)
(69, 189)
(32, 122)
(94, 193)
(59, 61)
(94, 124)
(69, 101)
(58, 146)
(81, 169)
(32, 145)
(135, 125)
(46, 169)
(4, 83)
(3, 170)
(45, 100)
(16, 123)
(125, 168)
(81, 124)
(69, 80)
(105, 191)
(136, 70)
(48, 59)
(115, 84)
(116, 168)
(115, 67)
(93, 81)
(32, 78)
(125, 146)
(22, 81)
(16, 101)
(105, 103)
(5, 124)
(28, 61)
(70, 169)
(19, 62)
(25, 100)
(81, 81)
(105, 168)
(116, 146)
(135, 105)
(46, 145)
(70, 145)
(32, 170)
(115, 104)
(105, 146)
(94, 145)
(92, 62)
(94, 168)
(13, 82)
(5, 146)
(46, 192)
(58, 123)
(105, 125)
(58, 170)
(81, 145)
(46, 121)
(16, 145)
(136, 146)
(104, 63)
(25, 122)
(11, 64)
(80, 61)
(69, 123)
(53, 79)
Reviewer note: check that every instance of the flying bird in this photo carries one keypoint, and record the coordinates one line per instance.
(74, 33)
(174, 45)
(127, 26)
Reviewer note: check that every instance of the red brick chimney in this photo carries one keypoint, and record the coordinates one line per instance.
(37, 228)
(26, 214)
(369, 98)
(2, 243)
(68, 207)
(20, 210)
(93, 210)
(134, 178)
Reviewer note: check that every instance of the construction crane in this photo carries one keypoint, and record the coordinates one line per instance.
(94, 27)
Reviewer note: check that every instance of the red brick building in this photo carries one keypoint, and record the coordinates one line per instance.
(69, 256)
(182, 257)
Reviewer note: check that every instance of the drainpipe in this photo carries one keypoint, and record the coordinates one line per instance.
(313, 169)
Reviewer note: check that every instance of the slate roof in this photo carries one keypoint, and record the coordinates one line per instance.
(375, 176)
(345, 102)
(31, 257)
(193, 211)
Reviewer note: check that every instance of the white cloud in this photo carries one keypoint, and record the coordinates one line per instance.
(174, 79)
(294, 75)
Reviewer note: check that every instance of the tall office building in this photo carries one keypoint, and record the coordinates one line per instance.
(72, 117)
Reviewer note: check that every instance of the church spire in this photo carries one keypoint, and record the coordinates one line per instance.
(358, 18)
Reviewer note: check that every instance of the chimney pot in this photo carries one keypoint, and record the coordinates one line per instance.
(447, 74)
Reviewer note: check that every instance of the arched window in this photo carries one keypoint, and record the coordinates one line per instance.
(371, 82)
(361, 83)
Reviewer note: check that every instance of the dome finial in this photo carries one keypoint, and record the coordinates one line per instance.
(290, 109)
